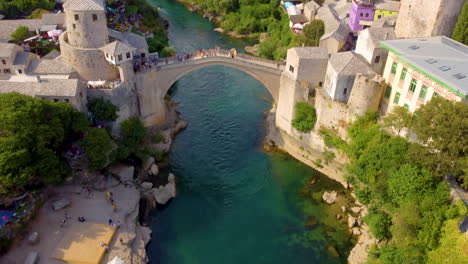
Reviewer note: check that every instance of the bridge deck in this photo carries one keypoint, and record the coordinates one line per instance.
(203, 54)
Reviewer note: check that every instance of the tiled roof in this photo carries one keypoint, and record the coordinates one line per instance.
(311, 52)
(6, 49)
(378, 34)
(393, 6)
(44, 88)
(349, 63)
(84, 5)
(50, 66)
(51, 55)
(117, 47)
(9, 26)
(439, 57)
(21, 58)
(130, 38)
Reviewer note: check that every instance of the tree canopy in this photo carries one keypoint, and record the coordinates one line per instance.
(312, 33)
(33, 131)
(103, 109)
(20, 34)
(99, 148)
(460, 32)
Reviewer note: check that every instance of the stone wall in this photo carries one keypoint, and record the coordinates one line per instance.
(85, 32)
(89, 63)
(423, 18)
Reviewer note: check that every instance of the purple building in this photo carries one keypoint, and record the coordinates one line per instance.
(361, 10)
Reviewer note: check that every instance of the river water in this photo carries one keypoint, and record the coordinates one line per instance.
(235, 203)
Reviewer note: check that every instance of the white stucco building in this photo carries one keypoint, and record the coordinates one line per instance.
(419, 69)
(368, 46)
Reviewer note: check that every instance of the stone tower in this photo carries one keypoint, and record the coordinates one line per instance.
(86, 33)
(423, 18)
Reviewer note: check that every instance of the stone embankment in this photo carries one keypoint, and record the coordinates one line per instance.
(334, 169)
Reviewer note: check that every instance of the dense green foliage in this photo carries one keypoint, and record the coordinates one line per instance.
(12, 9)
(408, 199)
(133, 138)
(151, 23)
(99, 148)
(103, 109)
(20, 34)
(304, 118)
(313, 32)
(460, 32)
(33, 132)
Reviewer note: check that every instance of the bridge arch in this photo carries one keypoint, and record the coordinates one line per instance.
(158, 81)
(267, 75)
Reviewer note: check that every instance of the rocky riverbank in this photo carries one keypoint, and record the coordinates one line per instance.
(334, 170)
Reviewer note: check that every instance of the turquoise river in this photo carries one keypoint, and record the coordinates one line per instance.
(236, 203)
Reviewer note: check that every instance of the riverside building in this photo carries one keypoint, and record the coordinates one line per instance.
(418, 70)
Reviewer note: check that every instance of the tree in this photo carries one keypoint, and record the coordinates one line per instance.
(442, 126)
(460, 32)
(133, 138)
(33, 131)
(20, 34)
(398, 119)
(99, 148)
(312, 33)
(409, 182)
(103, 109)
(305, 117)
(379, 223)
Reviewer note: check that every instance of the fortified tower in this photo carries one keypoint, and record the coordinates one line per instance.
(86, 33)
(426, 18)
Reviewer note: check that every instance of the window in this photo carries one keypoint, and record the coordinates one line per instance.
(74, 26)
(459, 76)
(119, 57)
(291, 68)
(413, 84)
(345, 90)
(377, 59)
(320, 84)
(403, 74)
(128, 55)
(143, 55)
(431, 61)
(367, 14)
(94, 17)
(360, 14)
(388, 91)
(67, 100)
(394, 67)
(379, 16)
(3, 61)
(20, 71)
(77, 17)
(422, 94)
(414, 47)
(406, 106)
(397, 98)
(444, 68)
(6, 71)
(55, 100)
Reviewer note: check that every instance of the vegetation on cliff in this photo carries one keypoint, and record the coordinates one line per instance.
(402, 182)
(460, 32)
(251, 17)
(14, 8)
(304, 117)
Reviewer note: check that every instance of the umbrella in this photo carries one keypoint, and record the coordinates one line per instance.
(116, 260)
(298, 26)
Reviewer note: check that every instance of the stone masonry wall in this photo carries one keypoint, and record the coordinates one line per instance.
(85, 32)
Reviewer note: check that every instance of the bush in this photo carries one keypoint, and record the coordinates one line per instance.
(133, 139)
(313, 32)
(20, 34)
(103, 109)
(305, 117)
(98, 146)
(379, 223)
(158, 137)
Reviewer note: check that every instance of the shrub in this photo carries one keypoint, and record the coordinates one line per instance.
(379, 223)
(20, 34)
(103, 109)
(305, 117)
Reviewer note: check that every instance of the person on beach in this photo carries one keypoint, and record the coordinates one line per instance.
(110, 221)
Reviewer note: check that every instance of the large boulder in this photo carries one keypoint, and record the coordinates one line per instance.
(125, 173)
(352, 221)
(154, 170)
(330, 197)
(356, 209)
(356, 231)
(60, 204)
(148, 163)
(163, 194)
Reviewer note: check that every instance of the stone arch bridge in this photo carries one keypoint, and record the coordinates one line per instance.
(156, 81)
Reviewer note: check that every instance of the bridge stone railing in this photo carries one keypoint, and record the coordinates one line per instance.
(203, 54)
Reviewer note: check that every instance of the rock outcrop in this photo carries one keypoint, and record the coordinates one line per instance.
(163, 194)
(330, 197)
(359, 253)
